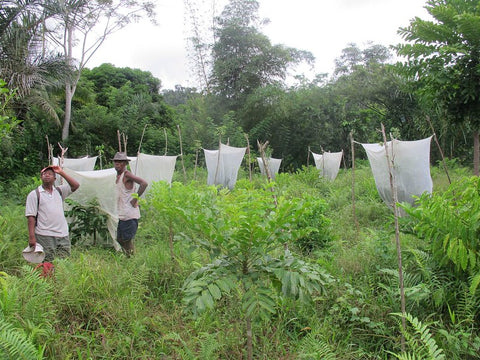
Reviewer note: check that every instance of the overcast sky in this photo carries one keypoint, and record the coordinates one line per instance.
(323, 27)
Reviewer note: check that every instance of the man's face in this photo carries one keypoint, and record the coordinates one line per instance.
(48, 176)
(119, 164)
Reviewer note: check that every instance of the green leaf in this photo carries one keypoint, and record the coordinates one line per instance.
(214, 291)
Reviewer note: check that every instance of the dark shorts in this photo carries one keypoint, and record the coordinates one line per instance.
(126, 229)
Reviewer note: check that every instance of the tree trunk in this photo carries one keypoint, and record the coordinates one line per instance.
(68, 111)
(249, 339)
(476, 153)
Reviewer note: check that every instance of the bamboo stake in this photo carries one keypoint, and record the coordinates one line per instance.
(119, 141)
(196, 164)
(354, 211)
(218, 160)
(198, 147)
(139, 148)
(397, 234)
(181, 153)
(166, 141)
(125, 138)
(323, 161)
(48, 150)
(439, 148)
(249, 159)
(261, 148)
(61, 159)
(141, 140)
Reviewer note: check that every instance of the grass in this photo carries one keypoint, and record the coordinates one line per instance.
(101, 305)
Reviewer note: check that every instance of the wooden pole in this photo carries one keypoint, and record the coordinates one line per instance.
(125, 138)
(166, 141)
(218, 160)
(393, 188)
(354, 211)
(49, 151)
(323, 161)
(61, 159)
(196, 164)
(181, 153)
(261, 149)
(249, 159)
(439, 148)
(141, 140)
(119, 141)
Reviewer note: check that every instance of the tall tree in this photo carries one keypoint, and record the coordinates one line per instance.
(443, 55)
(201, 20)
(84, 25)
(243, 57)
(372, 93)
(25, 63)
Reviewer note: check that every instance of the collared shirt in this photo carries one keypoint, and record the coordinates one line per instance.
(49, 210)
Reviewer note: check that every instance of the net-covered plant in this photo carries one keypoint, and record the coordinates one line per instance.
(87, 220)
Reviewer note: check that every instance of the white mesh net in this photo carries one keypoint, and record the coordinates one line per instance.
(98, 185)
(411, 168)
(273, 166)
(153, 168)
(82, 164)
(223, 165)
(328, 164)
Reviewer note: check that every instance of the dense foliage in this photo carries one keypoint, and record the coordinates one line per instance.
(231, 274)
(210, 262)
(247, 95)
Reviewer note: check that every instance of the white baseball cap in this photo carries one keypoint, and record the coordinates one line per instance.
(34, 254)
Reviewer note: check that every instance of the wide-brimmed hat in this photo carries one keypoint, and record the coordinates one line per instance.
(34, 254)
(120, 156)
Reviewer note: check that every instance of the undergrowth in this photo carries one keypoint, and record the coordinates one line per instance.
(101, 305)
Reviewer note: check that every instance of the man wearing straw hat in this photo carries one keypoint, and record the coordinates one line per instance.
(127, 205)
(47, 224)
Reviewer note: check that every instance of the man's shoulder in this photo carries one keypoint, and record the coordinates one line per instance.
(33, 192)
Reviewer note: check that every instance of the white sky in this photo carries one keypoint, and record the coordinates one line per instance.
(323, 27)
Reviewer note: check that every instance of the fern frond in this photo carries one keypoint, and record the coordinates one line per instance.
(209, 344)
(14, 344)
(313, 348)
(420, 340)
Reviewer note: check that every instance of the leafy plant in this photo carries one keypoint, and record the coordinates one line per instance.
(449, 223)
(244, 234)
(313, 348)
(420, 341)
(15, 345)
(25, 328)
(7, 123)
(88, 220)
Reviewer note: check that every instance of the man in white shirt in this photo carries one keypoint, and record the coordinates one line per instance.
(47, 224)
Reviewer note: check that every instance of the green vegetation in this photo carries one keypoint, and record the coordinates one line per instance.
(233, 274)
(221, 274)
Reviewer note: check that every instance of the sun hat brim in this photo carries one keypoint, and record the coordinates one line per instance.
(34, 254)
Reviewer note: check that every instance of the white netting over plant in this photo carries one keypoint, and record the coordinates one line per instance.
(273, 166)
(411, 168)
(98, 185)
(328, 164)
(153, 168)
(223, 165)
(82, 164)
